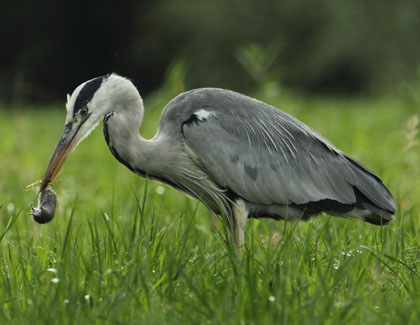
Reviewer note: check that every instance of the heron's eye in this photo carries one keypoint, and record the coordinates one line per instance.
(83, 111)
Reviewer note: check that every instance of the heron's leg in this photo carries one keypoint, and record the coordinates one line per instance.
(240, 213)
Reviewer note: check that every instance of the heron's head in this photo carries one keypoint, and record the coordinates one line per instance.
(88, 104)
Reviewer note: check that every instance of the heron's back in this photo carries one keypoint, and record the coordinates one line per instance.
(271, 160)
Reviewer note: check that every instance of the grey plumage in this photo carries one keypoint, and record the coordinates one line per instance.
(267, 157)
(241, 157)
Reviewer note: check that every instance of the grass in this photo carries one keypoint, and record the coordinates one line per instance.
(125, 250)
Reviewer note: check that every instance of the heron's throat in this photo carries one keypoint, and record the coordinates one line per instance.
(121, 133)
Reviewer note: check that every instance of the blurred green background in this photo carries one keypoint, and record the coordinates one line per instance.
(334, 47)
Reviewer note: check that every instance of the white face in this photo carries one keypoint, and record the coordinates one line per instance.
(83, 112)
(88, 104)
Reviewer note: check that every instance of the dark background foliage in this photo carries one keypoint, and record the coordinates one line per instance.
(351, 47)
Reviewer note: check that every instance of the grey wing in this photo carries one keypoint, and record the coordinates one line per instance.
(266, 156)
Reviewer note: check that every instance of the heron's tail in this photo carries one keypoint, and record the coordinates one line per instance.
(374, 202)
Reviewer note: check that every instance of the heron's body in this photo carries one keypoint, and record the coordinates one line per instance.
(241, 157)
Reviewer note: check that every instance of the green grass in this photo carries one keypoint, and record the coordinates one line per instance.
(120, 251)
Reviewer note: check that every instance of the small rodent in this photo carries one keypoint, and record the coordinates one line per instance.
(47, 202)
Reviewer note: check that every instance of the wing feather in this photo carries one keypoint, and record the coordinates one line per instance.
(267, 156)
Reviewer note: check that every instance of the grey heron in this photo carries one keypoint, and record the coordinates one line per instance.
(241, 157)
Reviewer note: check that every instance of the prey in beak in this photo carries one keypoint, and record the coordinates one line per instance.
(78, 125)
(69, 139)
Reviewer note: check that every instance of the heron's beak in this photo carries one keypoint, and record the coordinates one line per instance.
(69, 139)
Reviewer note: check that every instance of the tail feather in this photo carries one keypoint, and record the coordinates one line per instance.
(377, 215)
(374, 203)
(371, 195)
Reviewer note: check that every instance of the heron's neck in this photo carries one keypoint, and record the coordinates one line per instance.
(121, 130)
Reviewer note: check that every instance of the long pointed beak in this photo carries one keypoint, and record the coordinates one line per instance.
(65, 145)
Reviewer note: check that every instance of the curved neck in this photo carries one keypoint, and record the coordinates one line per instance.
(161, 158)
(153, 158)
(121, 131)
